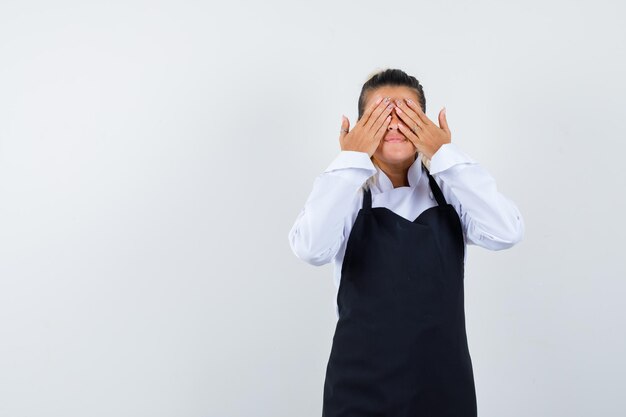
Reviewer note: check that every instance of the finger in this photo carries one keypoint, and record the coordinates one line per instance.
(409, 117)
(415, 125)
(418, 110)
(411, 135)
(382, 129)
(379, 114)
(369, 110)
(443, 121)
(378, 117)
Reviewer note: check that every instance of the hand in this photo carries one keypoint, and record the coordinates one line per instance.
(426, 136)
(369, 130)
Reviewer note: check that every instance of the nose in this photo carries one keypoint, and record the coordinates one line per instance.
(393, 123)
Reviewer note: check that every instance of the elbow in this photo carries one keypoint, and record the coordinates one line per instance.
(509, 237)
(309, 253)
(315, 260)
(502, 242)
(506, 237)
(516, 231)
(506, 242)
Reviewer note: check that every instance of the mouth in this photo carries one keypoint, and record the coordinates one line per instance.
(394, 139)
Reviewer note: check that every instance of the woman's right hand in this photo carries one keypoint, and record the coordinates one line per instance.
(369, 130)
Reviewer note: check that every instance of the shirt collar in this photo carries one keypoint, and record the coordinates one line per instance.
(383, 183)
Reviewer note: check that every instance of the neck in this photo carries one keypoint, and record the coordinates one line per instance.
(397, 173)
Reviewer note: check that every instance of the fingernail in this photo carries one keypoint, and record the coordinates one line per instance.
(378, 100)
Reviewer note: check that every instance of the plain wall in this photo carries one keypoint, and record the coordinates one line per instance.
(154, 155)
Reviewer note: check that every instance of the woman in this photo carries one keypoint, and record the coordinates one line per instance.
(395, 211)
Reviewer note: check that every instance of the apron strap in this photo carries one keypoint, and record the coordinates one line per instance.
(367, 199)
(436, 190)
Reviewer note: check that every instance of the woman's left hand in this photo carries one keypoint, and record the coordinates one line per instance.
(426, 136)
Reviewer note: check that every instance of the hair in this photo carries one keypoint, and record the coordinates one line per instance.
(394, 77)
(391, 77)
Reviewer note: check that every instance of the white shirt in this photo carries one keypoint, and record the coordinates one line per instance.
(320, 232)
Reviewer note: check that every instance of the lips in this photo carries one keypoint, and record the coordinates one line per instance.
(394, 139)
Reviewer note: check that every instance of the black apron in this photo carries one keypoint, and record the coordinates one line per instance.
(400, 346)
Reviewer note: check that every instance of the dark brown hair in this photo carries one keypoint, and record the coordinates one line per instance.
(395, 77)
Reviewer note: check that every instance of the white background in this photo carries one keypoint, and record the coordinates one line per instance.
(154, 155)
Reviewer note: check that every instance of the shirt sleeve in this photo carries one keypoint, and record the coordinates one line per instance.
(489, 218)
(318, 231)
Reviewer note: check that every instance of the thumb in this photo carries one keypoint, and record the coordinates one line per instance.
(345, 126)
(443, 122)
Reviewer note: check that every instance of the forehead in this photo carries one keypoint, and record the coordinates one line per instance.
(393, 91)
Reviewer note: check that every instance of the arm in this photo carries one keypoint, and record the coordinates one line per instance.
(489, 219)
(318, 231)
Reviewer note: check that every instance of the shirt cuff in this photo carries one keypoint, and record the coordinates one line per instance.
(448, 155)
(352, 159)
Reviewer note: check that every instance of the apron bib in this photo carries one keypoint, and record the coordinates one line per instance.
(400, 346)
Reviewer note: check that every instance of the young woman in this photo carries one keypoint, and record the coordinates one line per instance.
(394, 211)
